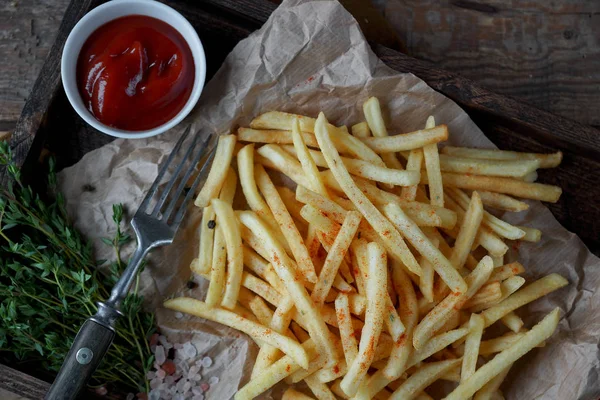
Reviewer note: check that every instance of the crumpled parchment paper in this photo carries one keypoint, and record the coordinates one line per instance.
(312, 56)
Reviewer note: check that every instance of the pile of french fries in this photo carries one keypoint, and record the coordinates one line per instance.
(381, 273)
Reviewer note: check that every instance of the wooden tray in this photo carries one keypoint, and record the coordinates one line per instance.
(48, 121)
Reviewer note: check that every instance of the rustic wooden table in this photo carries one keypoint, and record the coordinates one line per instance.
(544, 53)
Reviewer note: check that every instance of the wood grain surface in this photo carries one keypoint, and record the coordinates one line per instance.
(546, 53)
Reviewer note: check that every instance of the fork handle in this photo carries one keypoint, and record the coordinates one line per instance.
(87, 351)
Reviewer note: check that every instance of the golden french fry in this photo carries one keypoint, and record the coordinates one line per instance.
(529, 293)
(245, 159)
(468, 231)
(292, 394)
(407, 141)
(409, 314)
(282, 265)
(293, 206)
(506, 168)
(227, 192)
(502, 202)
(225, 317)
(260, 309)
(319, 389)
(491, 388)
(440, 314)
(218, 170)
(366, 170)
(546, 160)
(273, 374)
(274, 136)
(207, 238)
(542, 331)
(274, 157)
(394, 243)
(423, 377)
(435, 344)
(424, 246)
(507, 287)
(490, 293)
(415, 159)
(469, 362)
(335, 256)
(229, 226)
(500, 227)
(361, 130)
(214, 295)
(526, 190)
(432, 166)
(392, 321)
(286, 224)
(254, 262)
(307, 160)
(372, 111)
(376, 295)
(512, 321)
(349, 343)
(500, 343)
(531, 234)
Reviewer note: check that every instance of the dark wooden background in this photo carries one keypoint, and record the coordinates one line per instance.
(546, 53)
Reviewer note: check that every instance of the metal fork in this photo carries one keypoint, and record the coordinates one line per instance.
(154, 226)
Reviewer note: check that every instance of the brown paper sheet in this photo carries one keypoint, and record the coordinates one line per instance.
(312, 56)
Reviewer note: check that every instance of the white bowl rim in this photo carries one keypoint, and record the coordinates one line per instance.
(70, 56)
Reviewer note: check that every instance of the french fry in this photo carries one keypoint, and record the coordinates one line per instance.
(254, 262)
(513, 187)
(307, 160)
(214, 295)
(273, 374)
(293, 206)
(529, 293)
(291, 394)
(361, 130)
(273, 136)
(501, 228)
(498, 261)
(229, 226)
(490, 293)
(415, 159)
(424, 246)
(372, 111)
(507, 287)
(227, 192)
(407, 141)
(366, 170)
(207, 238)
(319, 389)
(349, 343)
(218, 170)
(502, 202)
(409, 314)
(274, 157)
(392, 321)
(426, 280)
(376, 295)
(531, 234)
(505, 168)
(489, 389)
(468, 231)
(432, 166)
(394, 243)
(423, 377)
(302, 301)
(435, 344)
(540, 332)
(260, 309)
(286, 224)
(546, 160)
(437, 317)
(502, 343)
(469, 362)
(512, 321)
(225, 317)
(335, 256)
(245, 159)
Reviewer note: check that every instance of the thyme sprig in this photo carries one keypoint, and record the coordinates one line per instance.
(50, 283)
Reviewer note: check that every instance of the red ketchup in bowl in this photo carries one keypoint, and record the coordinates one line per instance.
(135, 73)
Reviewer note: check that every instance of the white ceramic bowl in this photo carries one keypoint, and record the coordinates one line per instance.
(112, 10)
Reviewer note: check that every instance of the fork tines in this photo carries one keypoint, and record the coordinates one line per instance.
(173, 199)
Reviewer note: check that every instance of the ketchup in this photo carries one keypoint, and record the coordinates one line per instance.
(135, 73)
